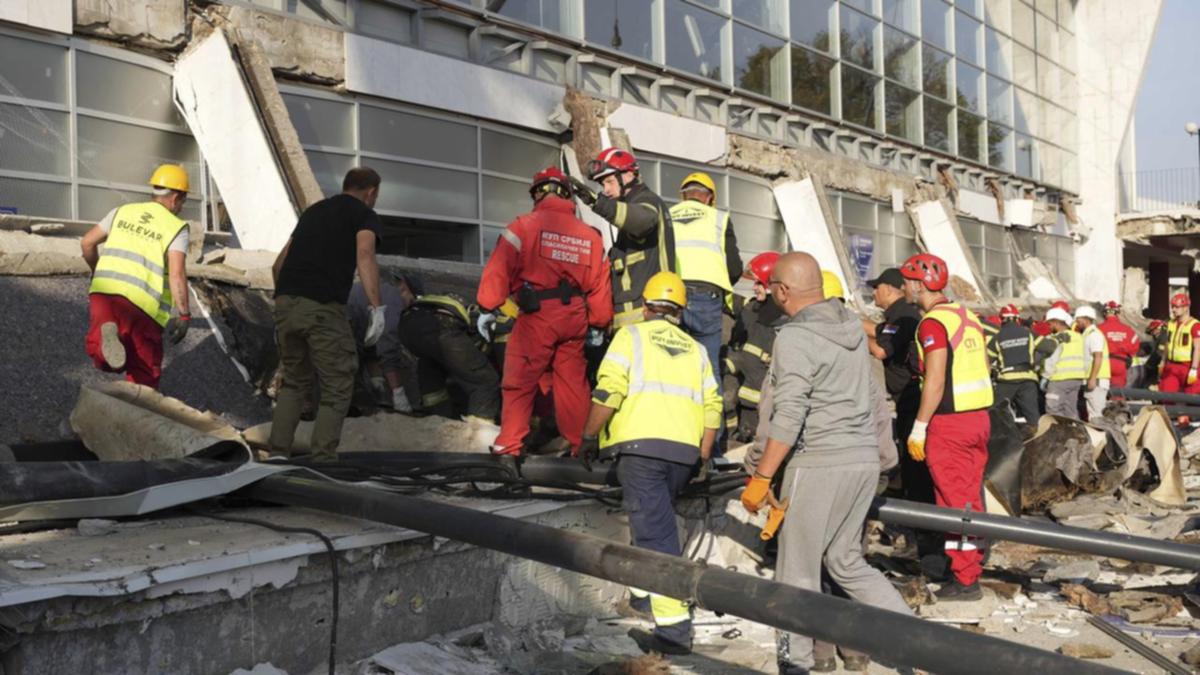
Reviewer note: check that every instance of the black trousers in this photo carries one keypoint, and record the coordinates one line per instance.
(1022, 395)
(916, 483)
(445, 351)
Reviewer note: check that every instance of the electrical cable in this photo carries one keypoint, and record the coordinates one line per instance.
(333, 565)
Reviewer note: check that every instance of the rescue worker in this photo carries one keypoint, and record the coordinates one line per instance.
(1180, 357)
(1064, 370)
(645, 241)
(1150, 355)
(553, 265)
(707, 258)
(1095, 361)
(439, 331)
(821, 437)
(952, 428)
(1123, 344)
(138, 280)
(656, 409)
(749, 353)
(313, 276)
(1012, 349)
(387, 357)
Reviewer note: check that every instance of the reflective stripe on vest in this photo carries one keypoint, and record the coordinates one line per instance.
(632, 266)
(755, 351)
(446, 303)
(1179, 341)
(1105, 367)
(133, 261)
(700, 243)
(969, 379)
(1069, 365)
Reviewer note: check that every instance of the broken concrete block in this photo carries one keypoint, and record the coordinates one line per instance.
(95, 527)
(301, 49)
(387, 431)
(1003, 589)
(1079, 570)
(24, 254)
(1191, 656)
(1084, 650)
(1086, 600)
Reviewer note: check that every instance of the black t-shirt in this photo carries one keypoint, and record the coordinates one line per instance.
(895, 336)
(324, 251)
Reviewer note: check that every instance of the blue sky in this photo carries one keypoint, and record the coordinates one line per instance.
(1170, 93)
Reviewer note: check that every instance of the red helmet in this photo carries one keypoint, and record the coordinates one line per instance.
(1112, 307)
(1180, 300)
(609, 162)
(1155, 325)
(760, 267)
(928, 269)
(1061, 304)
(1009, 311)
(550, 179)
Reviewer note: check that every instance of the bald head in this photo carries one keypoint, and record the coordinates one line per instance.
(796, 282)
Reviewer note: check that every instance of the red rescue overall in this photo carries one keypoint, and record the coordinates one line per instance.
(1123, 343)
(546, 249)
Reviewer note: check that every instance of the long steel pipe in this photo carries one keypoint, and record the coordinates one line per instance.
(901, 639)
(1156, 396)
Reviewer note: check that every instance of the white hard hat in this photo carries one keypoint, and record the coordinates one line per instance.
(1085, 312)
(1058, 314)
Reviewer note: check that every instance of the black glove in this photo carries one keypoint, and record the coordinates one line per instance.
(589, 451)
(582, 190)
(704, 471)
(177, 328)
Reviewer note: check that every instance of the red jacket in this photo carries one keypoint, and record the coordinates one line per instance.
(1123, 341)
(544, 247)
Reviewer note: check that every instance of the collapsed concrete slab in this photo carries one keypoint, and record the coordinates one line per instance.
(937, 226)
(393, 432)
(24, 254)
(153, 24)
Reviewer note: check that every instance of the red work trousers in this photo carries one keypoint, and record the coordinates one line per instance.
(1174, 378)
(1119, 371)
(956, 452)
(141, 336)
(549, 340)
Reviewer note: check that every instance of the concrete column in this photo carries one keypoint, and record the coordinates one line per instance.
(1160, 289)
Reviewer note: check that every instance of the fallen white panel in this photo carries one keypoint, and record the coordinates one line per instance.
(213, 98)
(979, 206)
(671, 135)
(806, 227)
(401, 73)
(1019, 212)
(941, 239)
(52, 15)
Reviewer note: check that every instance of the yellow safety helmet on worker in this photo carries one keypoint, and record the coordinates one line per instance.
(170, 177)
(831, 286)
(699, 178)
(665, 287)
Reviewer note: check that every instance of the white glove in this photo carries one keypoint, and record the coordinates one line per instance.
(400, 401)
(484, 324)
(374, 326)
(595, 337)
(919, 430)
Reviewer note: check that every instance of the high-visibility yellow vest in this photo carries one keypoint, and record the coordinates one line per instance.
(1179, 340)
(700, 243)
(445, 303)
(1105, 368)
(1069, 365)
(968, 381)
(133, 263)
(661, 383)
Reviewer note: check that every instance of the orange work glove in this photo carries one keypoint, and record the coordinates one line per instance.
(755, 494)
(1191, 379)
(916, 441)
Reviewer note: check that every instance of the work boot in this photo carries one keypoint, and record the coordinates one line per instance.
(110, 346)
(652, 642)
(825, 665)
(955, 591)
(789, 668)
(857, 663)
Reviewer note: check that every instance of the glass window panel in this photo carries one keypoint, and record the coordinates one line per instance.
(935, 23)
(1066, 51)
(936, 68)
(33, 70)
(901, 13)
(37, 198)
(749, 197)
(553, 15)
(515, 155)
(858, 97)
(672, 176)
(396, 133)
(902, 112)
(1048, 78)
(969, 83)
(1024, 67)
(810, 23)
(994, 237)
(759, 62)
(867, 6)
(1026, 111)
(937, 124)
(321, 122)
(445, 37)
(623, 25)
(1022, 23)
(759, 234)
(124, 89)
(504, 199)
(328, 11)
(123, 153)
(694, 41)
(811, 80)
(901, 55)
(972, 7)
(1024, 156)
(1066, 14)
(96, 202)
(34, 140)
(491, 237)
(999, 54)
(409, 188)
(999, 106)
(330, 169)
(384, 20)
(766, 14)
(970, 131)
(966, 37)
(858, 213)
(901, 224)
(1047, 7)
(972, 231)
(1047, 40)
(998, 13)
(1000, 148)
(858, 38)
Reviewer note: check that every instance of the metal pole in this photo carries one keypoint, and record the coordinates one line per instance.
(897, 637)
(1156, 396)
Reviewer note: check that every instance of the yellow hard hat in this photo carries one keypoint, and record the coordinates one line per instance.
(665, 287)
(832, 285)
(699, 178)
(170, 176)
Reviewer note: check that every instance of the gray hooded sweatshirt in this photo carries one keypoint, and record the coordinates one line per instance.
(821, 388)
